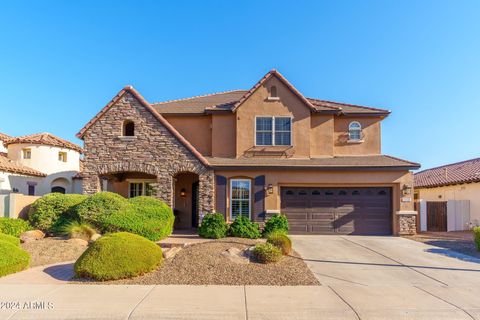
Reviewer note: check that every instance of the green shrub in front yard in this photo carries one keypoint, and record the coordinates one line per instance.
(47, 211)
(156, 217)
(280, 240)
(213, 226)
(12, 258)
(95, 208)
(276, 223)
(267, 253)
(117, 256)
(243, 227)
(14, 227)
(81, 230)
(10, 239)
(476, 236)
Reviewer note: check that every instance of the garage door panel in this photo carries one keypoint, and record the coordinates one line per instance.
(338, 210)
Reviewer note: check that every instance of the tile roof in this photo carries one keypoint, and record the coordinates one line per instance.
(455, 173)
(356, 162)
(43, 138)
(8, 165)
(4, 136)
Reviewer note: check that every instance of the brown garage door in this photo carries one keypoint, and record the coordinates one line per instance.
(365, 211)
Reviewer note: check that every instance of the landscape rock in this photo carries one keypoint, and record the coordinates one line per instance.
(169, 253)
(31, 235)
(236, 255)
(78, 241)
(95, 237)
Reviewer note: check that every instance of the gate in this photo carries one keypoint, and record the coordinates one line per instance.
(437, 216)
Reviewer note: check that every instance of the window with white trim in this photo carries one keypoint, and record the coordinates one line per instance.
(355, 131)
(240, 198)
(27, 153)
(273, 131)
(136, 189)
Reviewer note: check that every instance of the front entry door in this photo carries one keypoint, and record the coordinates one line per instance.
(195, 205)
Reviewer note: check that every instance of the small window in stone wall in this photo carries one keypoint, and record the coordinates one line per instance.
(128, 128)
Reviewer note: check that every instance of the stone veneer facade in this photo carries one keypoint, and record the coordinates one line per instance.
(153, 150)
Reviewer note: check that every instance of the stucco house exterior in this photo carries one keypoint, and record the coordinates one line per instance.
(456, 181)
(253, 152)
(38, 164)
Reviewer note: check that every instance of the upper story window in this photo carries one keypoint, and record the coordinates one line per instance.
(128, 128)
(273, 131)
(273, 92)
(27, 153)
(355, 131)
(62, 156)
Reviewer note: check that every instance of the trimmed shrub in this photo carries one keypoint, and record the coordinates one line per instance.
(267, 253)
(213, 226)
(10, 239)
(14, 227)
(156, 216)
(81, 230)
(12, 258)
(96, 208)
(277, 222)
(117, 256)
(476, 236)
(45, 213)
(243, 227)
(280, 240)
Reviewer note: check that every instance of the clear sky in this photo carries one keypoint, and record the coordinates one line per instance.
(62, 61)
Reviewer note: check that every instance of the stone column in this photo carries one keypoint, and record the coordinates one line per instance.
(407, 222)
(164, 189)
(90, 183)
(206, 190)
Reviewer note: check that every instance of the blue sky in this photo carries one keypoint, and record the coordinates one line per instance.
(62, 61)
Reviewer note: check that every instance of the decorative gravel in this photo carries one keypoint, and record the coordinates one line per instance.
(203, 264)
(52, 250)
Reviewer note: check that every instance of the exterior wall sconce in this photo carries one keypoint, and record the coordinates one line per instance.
(270, 189)
(407, 189)
(183, 193)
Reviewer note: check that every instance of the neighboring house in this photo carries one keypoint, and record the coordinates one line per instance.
(38, 164)
(253, 152)
(456, 181)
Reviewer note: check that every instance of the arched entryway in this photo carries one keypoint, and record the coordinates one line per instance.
(186, 204)
(59, 185)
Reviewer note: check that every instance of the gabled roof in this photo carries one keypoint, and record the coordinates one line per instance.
(371, 162)
(44, 138)
(8, 165)
(455, 173)
(4, 136)
(272, 73)
(158, 116)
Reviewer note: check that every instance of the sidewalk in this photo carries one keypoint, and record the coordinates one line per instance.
(237, 302)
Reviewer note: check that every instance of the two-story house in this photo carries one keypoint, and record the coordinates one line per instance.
(253, 152)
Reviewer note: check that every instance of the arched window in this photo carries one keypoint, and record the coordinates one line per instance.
(58, 190)
(128, 128)
(355, 131)
(273, 92)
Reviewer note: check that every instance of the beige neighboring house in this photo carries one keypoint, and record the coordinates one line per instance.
(38, 164)
(456, 181)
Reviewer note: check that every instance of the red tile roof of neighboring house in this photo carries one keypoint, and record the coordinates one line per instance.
(44, 138)
(154, 112)
(455, 173)
(4, 136)
(338, 162)
(8, 165)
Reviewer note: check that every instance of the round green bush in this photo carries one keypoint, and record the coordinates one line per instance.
(213, 226)
(118, 256)
(46, 211)
(14, 227)
(243, 227)
(10, 239)
(267, 253)
(277, 222)
(100, 206)
(280, 240)
(148, 217)
(476, 237)
(12, 258)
